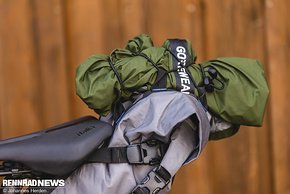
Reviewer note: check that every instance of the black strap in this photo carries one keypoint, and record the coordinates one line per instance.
(180, 58)
(163, 173)
(141, 190)
(150, 152)
(117, 110)
(109, 155)
(161, 80)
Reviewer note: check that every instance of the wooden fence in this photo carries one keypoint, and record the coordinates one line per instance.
(42, 42)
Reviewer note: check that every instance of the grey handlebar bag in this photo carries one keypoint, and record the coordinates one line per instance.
(169, 118)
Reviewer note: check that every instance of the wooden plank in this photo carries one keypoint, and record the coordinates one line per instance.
(85, 36)
(175, 19)
(20, 99)
(278, 39)
(1, 74)
(164, 20)
(132, 19)
(112, 27)
(52, 66)
(240, 164)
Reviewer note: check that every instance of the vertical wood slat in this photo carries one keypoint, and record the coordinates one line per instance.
(50, 53)
(239, 164)
(95, 27)
(132, 19)
(278, 36)
(112, 25)
(19, 97)
(192, 25)
(164, 24)
(2, 112)
(84, 32)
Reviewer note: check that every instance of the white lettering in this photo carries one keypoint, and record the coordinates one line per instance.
(33, 182)
(184, 77)
(185, 81)
(180, 49)
(185, 88)
(4, 183)
(183, 74)
(181, 56)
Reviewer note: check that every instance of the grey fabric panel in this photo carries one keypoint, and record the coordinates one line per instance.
(155, 116)
(184, 141)
(99, 179)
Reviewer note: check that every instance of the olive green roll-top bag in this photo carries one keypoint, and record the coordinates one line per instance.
(233, 89)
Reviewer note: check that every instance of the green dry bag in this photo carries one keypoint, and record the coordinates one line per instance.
(235, 89)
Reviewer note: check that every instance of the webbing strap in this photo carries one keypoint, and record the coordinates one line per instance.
(109, 155)
(161, 81)
(150, 152)
(180, 58)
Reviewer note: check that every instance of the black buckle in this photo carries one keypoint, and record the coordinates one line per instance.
(149, 152)
(154, 181)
